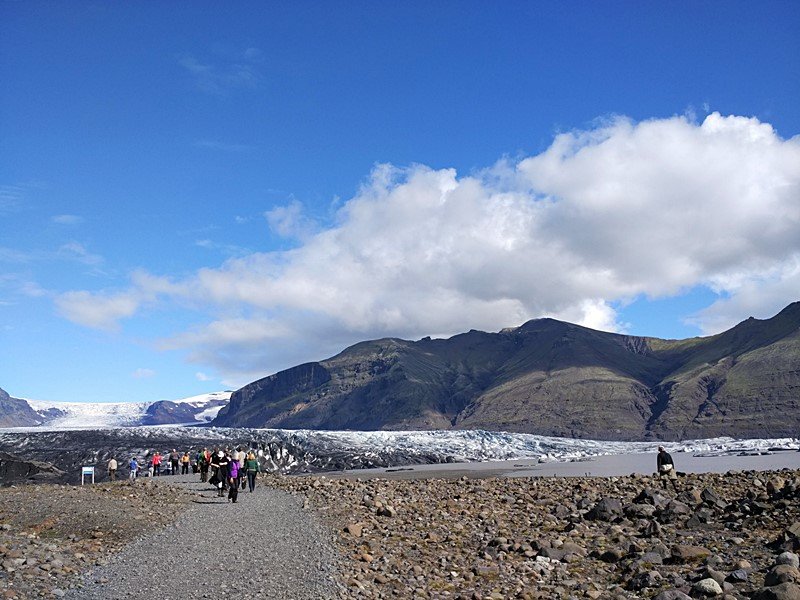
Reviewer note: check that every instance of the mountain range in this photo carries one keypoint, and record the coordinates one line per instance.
(546, 377)
(17, 412)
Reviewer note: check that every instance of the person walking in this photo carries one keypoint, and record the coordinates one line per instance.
(224, 460)
(219, 471)
(242, 457)
(134, 467)
(157, 464)
(233, 480)
(252, 469)
(185, 463)
(666, 468)
(112, 469)
(202, 464)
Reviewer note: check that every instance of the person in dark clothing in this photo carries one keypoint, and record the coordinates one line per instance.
(666, 468)
(174, 461)
(216, 474)
(233, 480)
(202, 464)
(223, 461)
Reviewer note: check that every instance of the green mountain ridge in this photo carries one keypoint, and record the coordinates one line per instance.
(546, 377)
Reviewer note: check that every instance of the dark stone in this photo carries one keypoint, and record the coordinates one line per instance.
(672, 595)
(711, 498)
(737, 576)
(647, 579)
(784, 591)
(607, 509)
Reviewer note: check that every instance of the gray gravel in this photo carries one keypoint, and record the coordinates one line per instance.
(264, 546)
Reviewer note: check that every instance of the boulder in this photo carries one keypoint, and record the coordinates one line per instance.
(784, 591)
(647, 579)
(608, 509)
(788, 558)
(707, 588)
(775, 485)
(782, 574)
(711, 498)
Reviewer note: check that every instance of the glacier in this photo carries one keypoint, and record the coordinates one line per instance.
(89, 415)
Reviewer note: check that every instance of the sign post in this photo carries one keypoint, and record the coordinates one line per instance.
(87, 471)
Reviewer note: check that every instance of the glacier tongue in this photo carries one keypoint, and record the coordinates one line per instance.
(87, 415)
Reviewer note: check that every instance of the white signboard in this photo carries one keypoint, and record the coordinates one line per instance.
(87, 471)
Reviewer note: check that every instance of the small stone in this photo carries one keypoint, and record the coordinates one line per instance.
(788, 558)
(707, 587)
(686, 554)
(738, 576)
(672, 595)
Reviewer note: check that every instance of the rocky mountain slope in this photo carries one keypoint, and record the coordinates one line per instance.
(546, 377)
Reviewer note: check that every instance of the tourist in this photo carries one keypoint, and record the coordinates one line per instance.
(185, 463)
(112, 469)
(134, 467)
(242, 458)
(202, 464)
(174, 459)
(252, 468)
(219, 471)
(157, 464)
(666, 468)
(224, 460)
(233, 480)
(213, 463)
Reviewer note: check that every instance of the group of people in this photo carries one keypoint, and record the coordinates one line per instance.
(230, 470)
(168, 463)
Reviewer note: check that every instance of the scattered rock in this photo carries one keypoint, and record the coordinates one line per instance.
(707, 588)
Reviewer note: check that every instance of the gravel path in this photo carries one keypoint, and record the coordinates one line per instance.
(264, 546)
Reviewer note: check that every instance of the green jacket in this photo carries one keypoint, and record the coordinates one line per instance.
(252, 465)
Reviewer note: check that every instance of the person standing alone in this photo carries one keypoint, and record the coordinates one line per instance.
(666, 468)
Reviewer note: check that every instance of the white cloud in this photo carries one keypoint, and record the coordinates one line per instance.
(601, 216)
(224, 73)
(143, 374)
(67, 219)
(290, 221)
(72, 251)
(98, 311)
(759, 295)
(200, 376)
(78, 252)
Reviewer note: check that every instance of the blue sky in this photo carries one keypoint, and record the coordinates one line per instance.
(192, 196)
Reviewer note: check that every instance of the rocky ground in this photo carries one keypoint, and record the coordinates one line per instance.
(718, 536)
(731, 535)
(49, 534)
